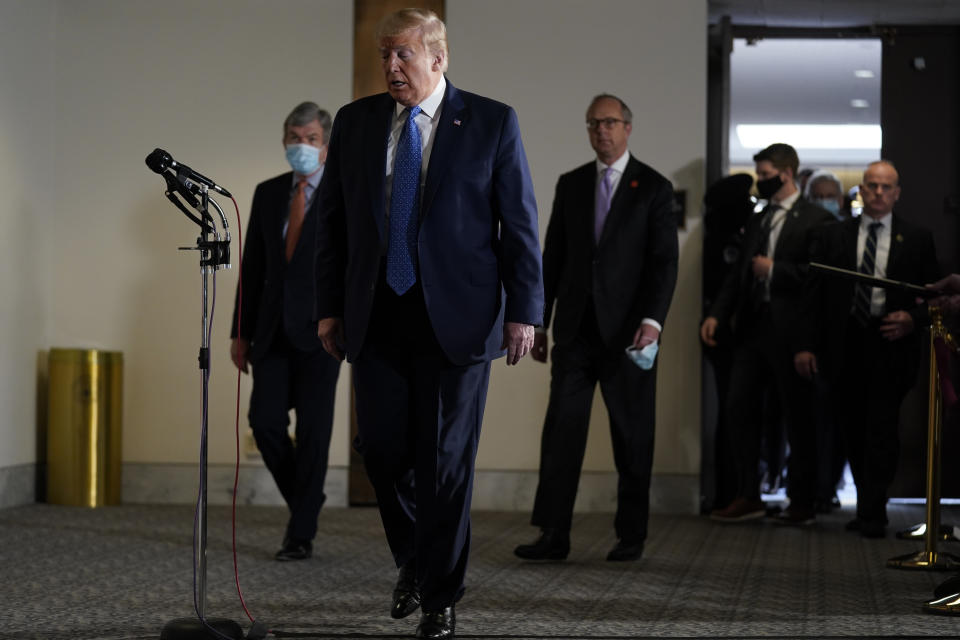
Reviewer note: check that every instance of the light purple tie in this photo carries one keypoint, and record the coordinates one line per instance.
(604, 195)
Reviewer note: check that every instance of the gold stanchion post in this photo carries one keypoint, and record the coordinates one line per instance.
(930, 558)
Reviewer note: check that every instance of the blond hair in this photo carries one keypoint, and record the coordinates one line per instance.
(433, 33)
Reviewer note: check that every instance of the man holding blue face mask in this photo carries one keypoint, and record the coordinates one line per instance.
(277, 331)
(610, 264)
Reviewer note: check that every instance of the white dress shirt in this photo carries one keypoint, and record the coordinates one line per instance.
(617, 167)
(426, 122)
(878, 296)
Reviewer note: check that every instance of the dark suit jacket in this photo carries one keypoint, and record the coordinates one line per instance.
(478, 247)
(912, 258)
(277, 294)
(631, 274)
(734, 306)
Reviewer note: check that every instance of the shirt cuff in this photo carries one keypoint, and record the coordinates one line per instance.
(653, 323)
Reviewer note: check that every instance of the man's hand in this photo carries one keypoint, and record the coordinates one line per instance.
(646, 334)
(805, 362)
(539, 351)
(896, 325)
(708, 330)
(330, 332)
(950, 287)
(761, 267)
(517, 340)
(238, 353)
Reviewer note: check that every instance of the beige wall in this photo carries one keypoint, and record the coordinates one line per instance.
(651, 53)
(27, 215)
(92, 260)
(210, 82)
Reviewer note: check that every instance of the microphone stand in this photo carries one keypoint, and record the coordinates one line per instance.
(214, 255)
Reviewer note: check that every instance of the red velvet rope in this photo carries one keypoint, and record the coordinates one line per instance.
(947, 391)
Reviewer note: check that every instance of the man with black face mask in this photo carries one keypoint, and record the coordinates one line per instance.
(760, 300)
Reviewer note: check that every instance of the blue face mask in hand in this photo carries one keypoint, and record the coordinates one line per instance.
(303, 158)
(645, 357)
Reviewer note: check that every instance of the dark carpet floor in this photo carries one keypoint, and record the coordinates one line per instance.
(123, 572)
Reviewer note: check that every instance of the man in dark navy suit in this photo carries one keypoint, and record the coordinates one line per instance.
(610, 263)
(428, 268)
(868, 340)
(276, 331)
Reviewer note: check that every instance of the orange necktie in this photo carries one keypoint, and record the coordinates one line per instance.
(297, 212)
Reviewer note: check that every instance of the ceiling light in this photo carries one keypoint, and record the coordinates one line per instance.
(859, 103)
(811, 136)
(863, 73)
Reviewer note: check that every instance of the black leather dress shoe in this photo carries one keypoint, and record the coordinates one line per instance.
(439, 624)
(406, 595)
(553, 544)
(294, 549)
(948, 587)
(625, 551)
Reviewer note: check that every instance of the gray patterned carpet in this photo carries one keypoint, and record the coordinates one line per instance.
(123, 572)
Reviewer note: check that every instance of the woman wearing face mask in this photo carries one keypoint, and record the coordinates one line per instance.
(825, 190)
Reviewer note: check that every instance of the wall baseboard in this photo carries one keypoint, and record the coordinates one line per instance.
(493, 490)
(149, 483)
(597, 492)
(18, 485)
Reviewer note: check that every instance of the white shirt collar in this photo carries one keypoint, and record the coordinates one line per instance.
(430, 105)
(886, 220)
(618, 165)
(788, 202)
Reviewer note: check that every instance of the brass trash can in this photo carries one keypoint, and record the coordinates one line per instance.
(85, 418)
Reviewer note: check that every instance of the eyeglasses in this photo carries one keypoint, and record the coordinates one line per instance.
(606, 123)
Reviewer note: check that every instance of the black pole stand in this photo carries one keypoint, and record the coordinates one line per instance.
(214, 254)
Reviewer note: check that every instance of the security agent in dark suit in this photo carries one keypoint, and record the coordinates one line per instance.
(428, 268)
(868, 339)
(277, 334)
(760, 301)
(610, 263)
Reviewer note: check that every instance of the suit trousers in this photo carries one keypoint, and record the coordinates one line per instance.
(760, 359)
(869, 408)
(286, 378)
(629, 394)
(419, 420)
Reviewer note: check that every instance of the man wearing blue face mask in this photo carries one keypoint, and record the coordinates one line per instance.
(825, 190)
(274, 331)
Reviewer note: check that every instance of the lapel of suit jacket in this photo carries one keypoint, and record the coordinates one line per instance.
(621, 198)
(896, 246)
(848, 241)
(375, 139)
(281, 212)
(791, 222)
(447, 137)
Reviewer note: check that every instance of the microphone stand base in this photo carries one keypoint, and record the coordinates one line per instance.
(195, 629)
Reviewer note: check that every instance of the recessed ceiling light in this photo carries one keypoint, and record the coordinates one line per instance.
(863, 73)
(811, 136)
(859, 103)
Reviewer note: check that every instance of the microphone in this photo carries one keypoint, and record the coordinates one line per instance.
(159, 160)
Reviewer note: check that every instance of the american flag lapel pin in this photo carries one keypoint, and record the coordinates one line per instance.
(456, 122)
